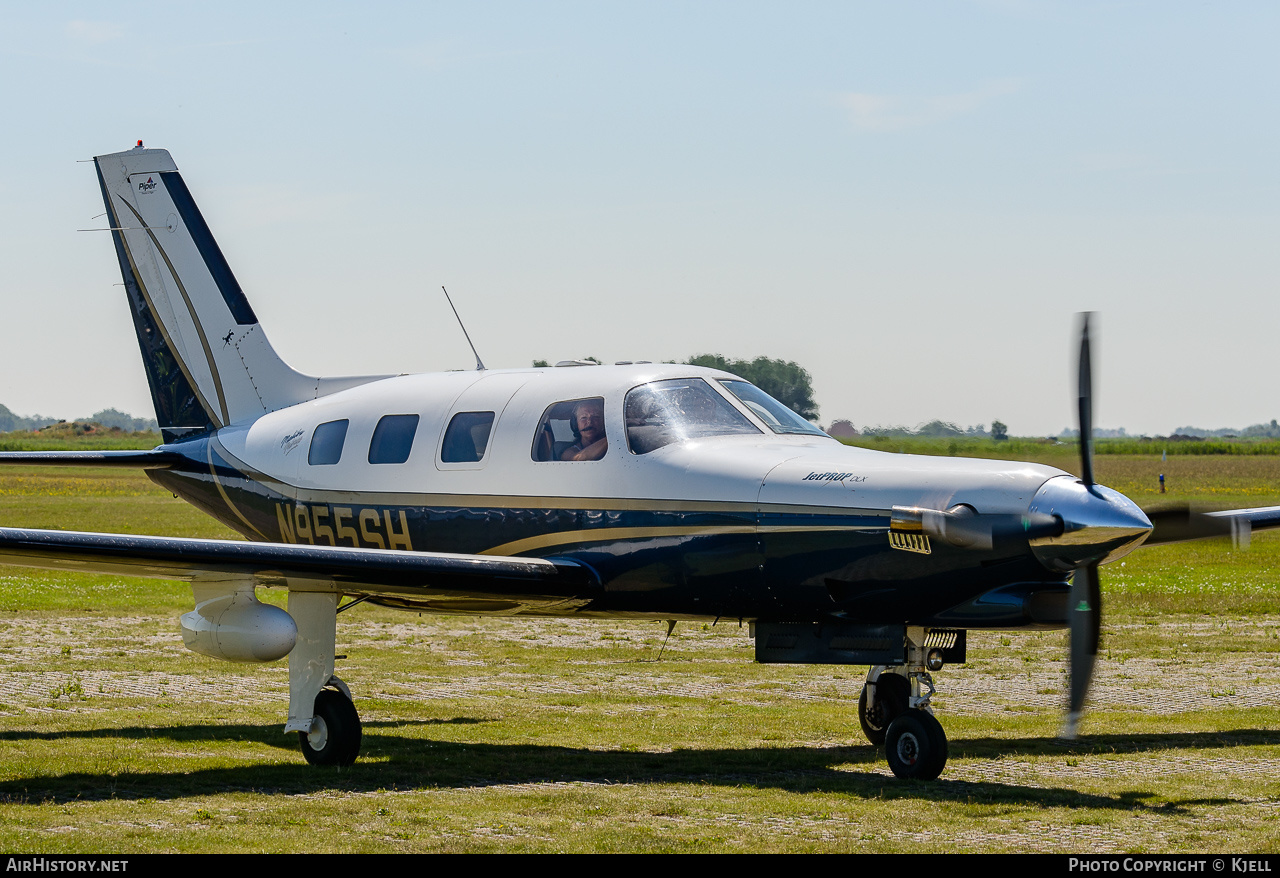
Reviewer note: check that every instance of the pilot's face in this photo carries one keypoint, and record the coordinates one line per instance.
(590, 421)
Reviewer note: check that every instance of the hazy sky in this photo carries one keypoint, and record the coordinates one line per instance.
(911, 200)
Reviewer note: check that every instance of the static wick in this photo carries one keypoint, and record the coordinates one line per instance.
(479, 364)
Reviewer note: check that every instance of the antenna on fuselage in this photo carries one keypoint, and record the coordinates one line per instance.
(479, 364)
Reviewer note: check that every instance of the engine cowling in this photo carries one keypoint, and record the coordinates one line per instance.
(236, 627)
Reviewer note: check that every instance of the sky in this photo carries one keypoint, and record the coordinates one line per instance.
(912, 201)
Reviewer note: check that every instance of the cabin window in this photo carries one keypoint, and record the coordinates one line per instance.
(326, 443)
(467, 437)
(572, 430)
(393, 439)
(779, 418)
(663, 412)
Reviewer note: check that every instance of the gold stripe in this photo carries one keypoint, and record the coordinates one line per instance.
(821, 510)
(155, 316)
(607, 534)
(195, 318)
(804, 528)
(226, 499)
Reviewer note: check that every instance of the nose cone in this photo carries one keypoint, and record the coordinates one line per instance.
(1098, 524)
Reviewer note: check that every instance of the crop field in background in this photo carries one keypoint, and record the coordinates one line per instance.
(495, 734)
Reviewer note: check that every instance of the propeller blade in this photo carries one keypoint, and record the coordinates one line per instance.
(1085, 411)
(1086, 634)
(1179, 523)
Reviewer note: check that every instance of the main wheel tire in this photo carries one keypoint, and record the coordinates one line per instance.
(335, 733)
(893, 694)
(916, 746)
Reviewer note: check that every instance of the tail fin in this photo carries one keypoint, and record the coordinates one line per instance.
(207, 359)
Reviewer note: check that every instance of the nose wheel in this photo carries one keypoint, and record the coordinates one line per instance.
(916, 746)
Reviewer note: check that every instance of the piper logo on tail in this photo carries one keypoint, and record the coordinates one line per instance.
(146, 187)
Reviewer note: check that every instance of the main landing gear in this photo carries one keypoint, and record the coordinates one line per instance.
(894, 712)
(320, 707)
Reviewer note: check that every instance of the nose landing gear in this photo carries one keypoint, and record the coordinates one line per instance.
(894, 711)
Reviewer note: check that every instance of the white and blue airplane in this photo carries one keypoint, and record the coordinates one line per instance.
(635, 490)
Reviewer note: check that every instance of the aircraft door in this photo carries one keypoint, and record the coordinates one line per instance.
(466, 437)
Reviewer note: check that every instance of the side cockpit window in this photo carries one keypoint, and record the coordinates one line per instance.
(663, 412)
(326, 443)
(572, 430)
(393, 439)
(467, 437)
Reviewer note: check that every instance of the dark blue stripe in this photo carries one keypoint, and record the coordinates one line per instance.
(208, 247)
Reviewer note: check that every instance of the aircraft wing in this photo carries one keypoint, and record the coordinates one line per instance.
(374, 572)
(1179, 524)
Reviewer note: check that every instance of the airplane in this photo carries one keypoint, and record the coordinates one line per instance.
(629, 491)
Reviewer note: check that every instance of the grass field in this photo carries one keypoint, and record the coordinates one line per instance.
(489, 734)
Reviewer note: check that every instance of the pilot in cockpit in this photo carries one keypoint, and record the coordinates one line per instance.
(588, 429)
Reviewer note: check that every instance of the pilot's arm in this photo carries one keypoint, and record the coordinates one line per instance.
(594, 451)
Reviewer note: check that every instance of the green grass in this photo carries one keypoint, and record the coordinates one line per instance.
(494, 734)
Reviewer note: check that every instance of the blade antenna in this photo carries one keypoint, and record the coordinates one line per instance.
(479, 364)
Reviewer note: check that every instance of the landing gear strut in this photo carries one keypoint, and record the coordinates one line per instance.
(320, 707)
(884, 697)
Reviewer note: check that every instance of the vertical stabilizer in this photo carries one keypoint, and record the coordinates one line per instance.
(207, 359)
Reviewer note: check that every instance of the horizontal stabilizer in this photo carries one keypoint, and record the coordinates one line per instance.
(123, 459)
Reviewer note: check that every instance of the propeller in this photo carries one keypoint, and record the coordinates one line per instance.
(1115, 512)
(1086, 586)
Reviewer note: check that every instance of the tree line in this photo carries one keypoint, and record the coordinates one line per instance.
(786, 381)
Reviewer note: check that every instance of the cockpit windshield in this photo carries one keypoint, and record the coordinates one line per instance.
(779, 418)
(663, 412)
